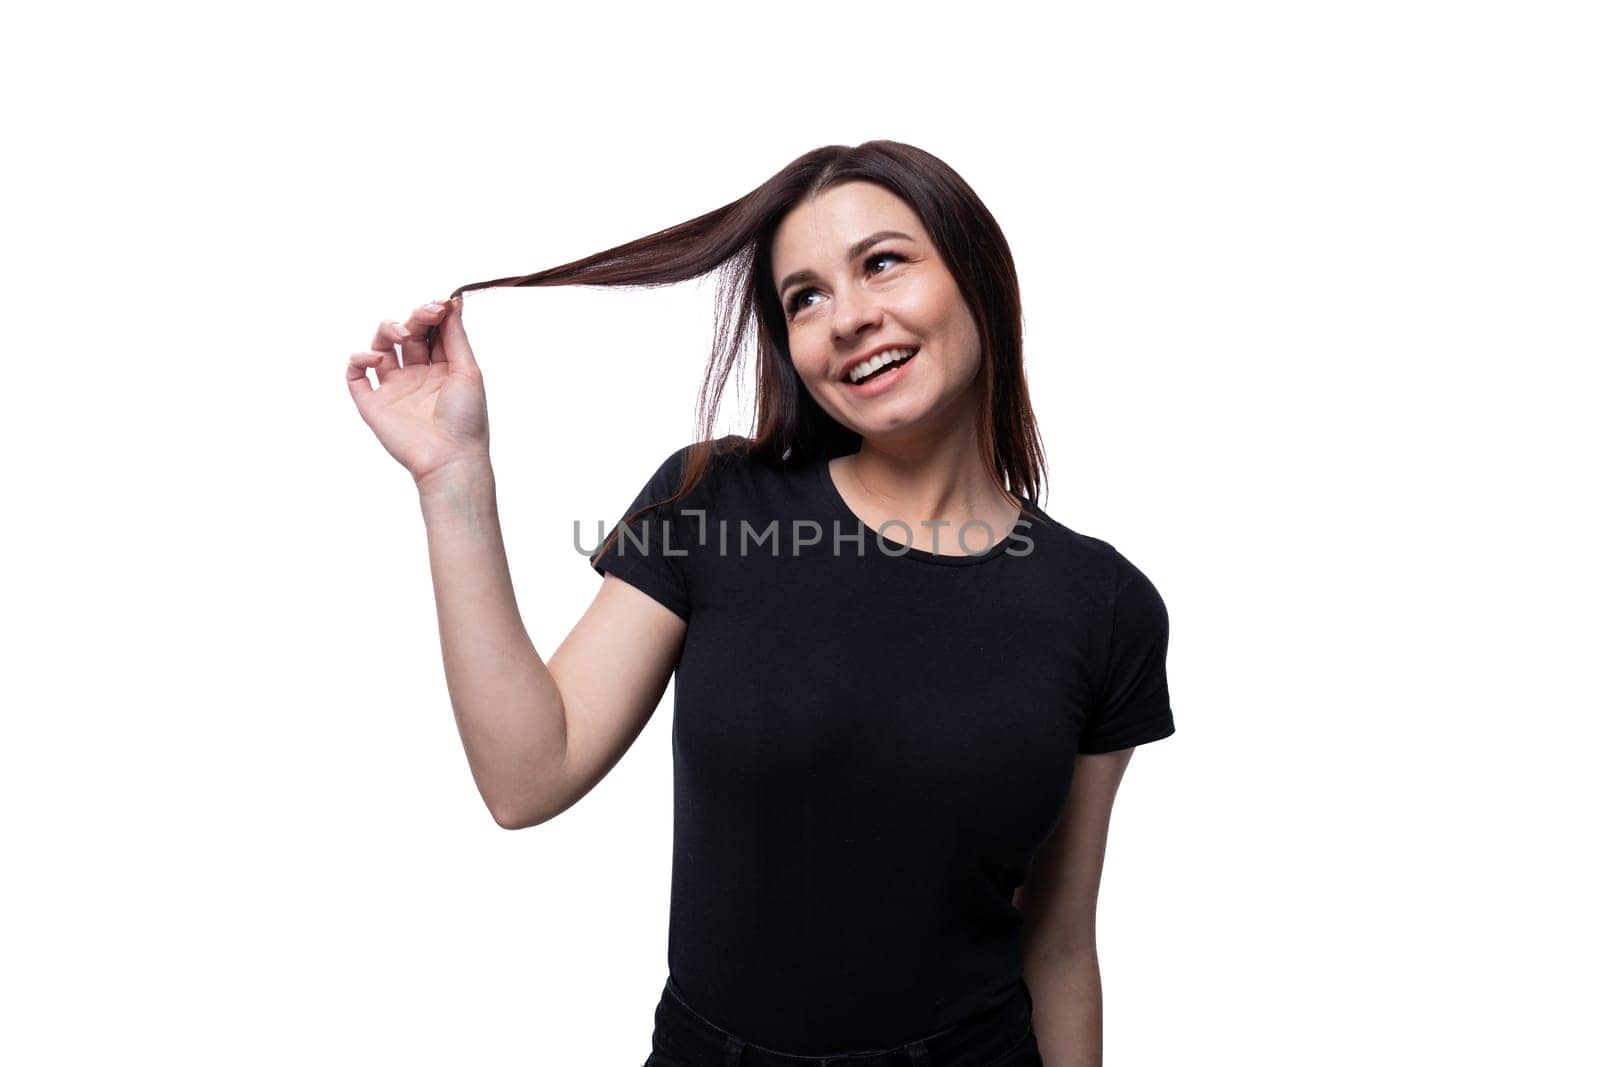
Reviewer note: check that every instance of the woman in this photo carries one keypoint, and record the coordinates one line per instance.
(905, 695)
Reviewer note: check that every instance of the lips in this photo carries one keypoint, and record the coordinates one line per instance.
(844, 374)
(885, 380)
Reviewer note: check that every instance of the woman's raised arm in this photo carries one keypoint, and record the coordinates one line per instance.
(537, 736)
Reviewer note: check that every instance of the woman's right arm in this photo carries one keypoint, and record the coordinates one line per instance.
(538, 736)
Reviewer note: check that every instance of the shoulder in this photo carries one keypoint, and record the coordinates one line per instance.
(712, 469)
(1093, 559)
(1096, 564)
(706, 457)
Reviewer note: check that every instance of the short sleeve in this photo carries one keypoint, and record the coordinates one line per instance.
(1131, 704)
(651, 553)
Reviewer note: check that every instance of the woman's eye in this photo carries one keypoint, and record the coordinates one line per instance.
(795, 306)
(884, 255)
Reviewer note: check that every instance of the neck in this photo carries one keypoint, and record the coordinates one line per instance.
(932, 476)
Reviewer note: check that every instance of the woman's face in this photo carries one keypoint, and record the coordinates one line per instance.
(848, 289)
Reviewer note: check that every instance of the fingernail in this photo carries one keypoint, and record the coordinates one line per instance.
(432, 307)
(401, 330)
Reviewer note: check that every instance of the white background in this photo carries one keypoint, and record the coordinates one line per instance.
(1310, 296)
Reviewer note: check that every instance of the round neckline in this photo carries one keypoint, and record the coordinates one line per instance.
(830, 490)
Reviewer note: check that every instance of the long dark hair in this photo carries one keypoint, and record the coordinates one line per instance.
(735, 241)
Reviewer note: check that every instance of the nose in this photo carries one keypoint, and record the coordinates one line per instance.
(852, 312)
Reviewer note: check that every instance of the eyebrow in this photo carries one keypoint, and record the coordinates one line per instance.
(854, 251)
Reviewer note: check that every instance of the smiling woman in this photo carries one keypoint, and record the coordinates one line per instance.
(891, 858)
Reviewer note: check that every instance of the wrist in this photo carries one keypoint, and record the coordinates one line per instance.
(456, 477)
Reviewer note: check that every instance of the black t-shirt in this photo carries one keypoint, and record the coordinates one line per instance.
(870, 744)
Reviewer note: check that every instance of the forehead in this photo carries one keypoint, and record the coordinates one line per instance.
(819, 229)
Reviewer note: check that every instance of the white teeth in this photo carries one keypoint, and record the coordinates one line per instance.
(893, 355)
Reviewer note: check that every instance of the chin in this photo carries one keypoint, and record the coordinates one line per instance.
(891, 426)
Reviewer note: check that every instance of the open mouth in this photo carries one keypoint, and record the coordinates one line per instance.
(898, 358)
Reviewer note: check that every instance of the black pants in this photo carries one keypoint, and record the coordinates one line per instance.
(1001, 1038)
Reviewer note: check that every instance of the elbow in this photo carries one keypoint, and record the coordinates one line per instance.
(508, 817)
(507, 820)
(1066, 949)
(534, 800)
(507, 814)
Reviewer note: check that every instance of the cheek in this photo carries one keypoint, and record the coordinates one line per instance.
(923, 309)
(938, 310)
(971, 343)
(809, 363)
(954, 330)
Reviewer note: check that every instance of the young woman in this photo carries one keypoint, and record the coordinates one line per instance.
(905, 695)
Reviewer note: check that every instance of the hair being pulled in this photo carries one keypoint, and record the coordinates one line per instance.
(735, 242)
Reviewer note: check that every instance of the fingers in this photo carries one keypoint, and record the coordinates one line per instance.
(383, 342)
(415, 349)
(413, 337)
(451, 344)
(355, 373)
